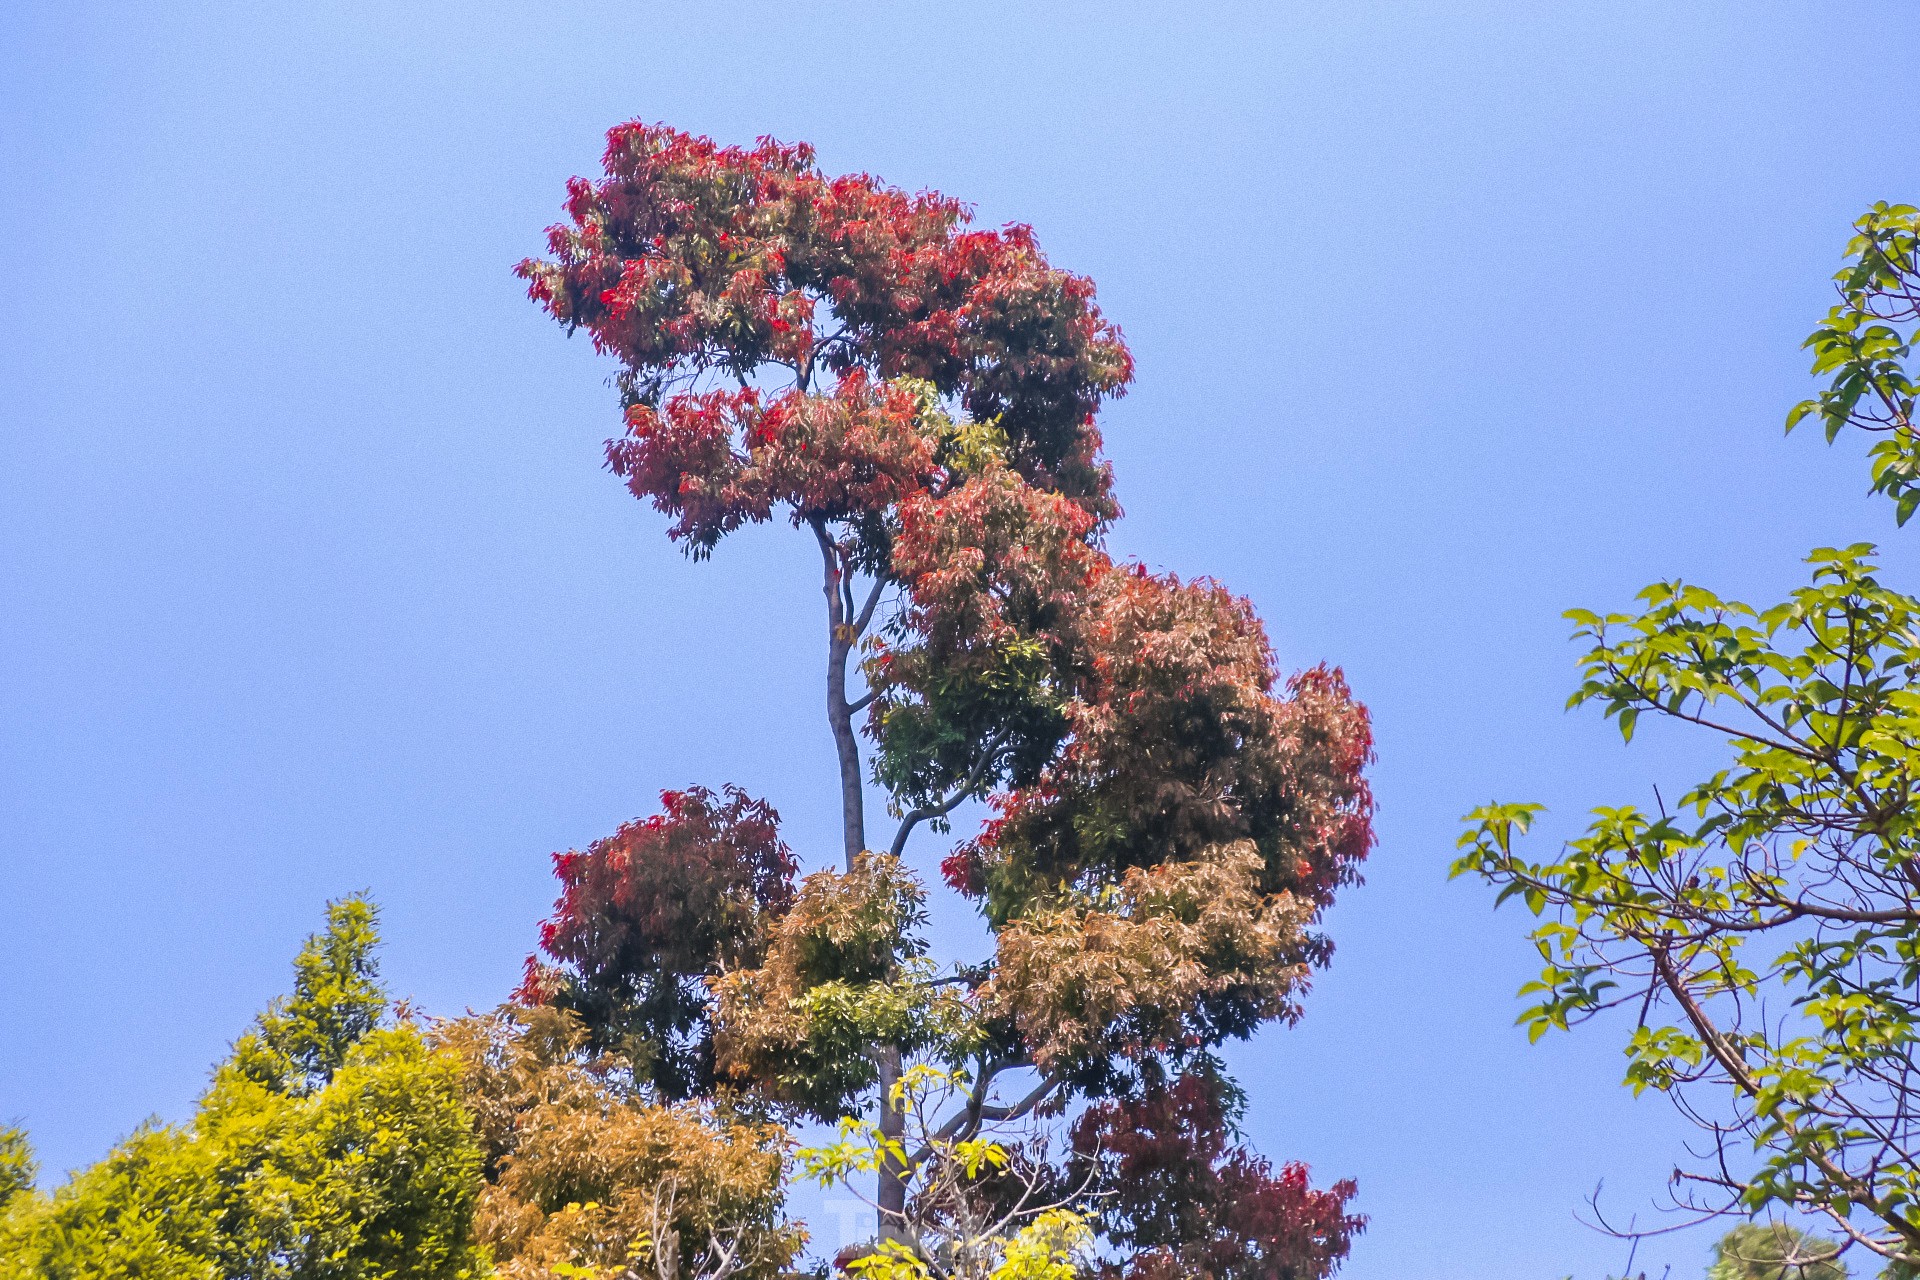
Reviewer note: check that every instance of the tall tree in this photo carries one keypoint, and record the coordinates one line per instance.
(1764, 934)
(1170, 815)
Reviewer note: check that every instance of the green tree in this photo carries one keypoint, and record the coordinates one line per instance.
(331, 1145)
(1764, 933)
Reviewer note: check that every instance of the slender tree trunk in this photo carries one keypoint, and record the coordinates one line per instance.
(891, 1197)
(843, 632)
(853, 818)
(840, 642)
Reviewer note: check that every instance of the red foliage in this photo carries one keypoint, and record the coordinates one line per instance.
(993, 561)
(689, 259)
(865, 358)
(716, 460)
(1188, 1202)
(647, 914)
(859, 450)
(996, 574)
(684, 458)
(1179, 742)
(1136, 716)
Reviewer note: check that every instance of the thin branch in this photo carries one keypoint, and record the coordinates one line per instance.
(965, 1125)
(951, 801)
(865, 616)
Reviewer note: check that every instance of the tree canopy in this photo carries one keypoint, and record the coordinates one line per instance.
(1169, 814)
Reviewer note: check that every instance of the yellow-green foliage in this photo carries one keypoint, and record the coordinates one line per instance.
(326, 1148)
(17, 1167)
(1054, 1245)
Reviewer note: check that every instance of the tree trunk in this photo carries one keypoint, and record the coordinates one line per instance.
(840, 641)
(891, 1197)
(853, 818)
(842, 633)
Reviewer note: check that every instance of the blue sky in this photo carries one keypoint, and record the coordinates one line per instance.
(1448, 316)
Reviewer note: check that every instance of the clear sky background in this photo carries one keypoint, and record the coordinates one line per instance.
(1448, 315)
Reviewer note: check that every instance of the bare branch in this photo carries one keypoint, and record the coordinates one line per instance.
(947, 804)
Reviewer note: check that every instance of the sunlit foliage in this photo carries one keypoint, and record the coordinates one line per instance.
(1762, 931)
(332, 1143)
(1169, 814)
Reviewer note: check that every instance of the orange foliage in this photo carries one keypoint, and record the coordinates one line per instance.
(1179, 955)
(581, 1171)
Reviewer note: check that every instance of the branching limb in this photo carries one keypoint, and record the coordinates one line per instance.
(947, 804)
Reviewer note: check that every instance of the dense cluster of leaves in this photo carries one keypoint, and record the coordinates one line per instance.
(18, 1168)
(328, 1145)
(1185, 1200)
(844, 973)
(691, 259)
(585, 1177)
(1170, 814)
(652, 912)
(1766, 931)
(1176, 958)
(972, 686)
(1177, 745)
